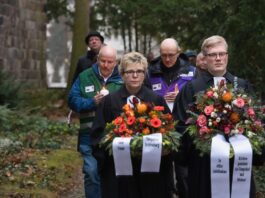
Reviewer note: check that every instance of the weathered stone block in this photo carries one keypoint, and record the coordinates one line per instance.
(1, 20)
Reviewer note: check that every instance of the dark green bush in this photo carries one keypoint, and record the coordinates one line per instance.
(11, 92)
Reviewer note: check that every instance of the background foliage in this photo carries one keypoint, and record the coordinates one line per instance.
(241, 22)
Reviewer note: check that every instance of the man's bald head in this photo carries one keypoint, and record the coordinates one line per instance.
(107, 60)
(169, 51)
(107, 51)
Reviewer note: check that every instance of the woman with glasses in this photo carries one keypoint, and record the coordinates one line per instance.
(132, 68)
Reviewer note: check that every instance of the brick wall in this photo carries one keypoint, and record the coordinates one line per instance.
(23, 40)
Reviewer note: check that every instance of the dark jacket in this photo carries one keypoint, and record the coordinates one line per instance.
(84, 62)
(164, 80)
(199, 180)
(148, 185)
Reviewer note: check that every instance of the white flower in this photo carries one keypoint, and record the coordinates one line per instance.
(215, 95)
(224, 111)
(218, 119)
(247, 122)
(213, 114)
(228, 106)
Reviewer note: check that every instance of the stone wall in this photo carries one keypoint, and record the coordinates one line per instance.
(23, 40)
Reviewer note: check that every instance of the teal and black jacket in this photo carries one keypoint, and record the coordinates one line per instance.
(85, 87)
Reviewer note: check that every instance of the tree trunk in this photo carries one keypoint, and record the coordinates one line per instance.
(123, 35)
(80, 29)
(136, 36)
(130, 36)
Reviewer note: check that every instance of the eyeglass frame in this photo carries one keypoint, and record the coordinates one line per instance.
(219, 54)
(170, 56)
(138, 72)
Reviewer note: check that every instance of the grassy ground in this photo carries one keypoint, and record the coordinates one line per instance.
(42, 173)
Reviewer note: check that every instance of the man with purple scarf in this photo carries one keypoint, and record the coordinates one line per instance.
(167, 74)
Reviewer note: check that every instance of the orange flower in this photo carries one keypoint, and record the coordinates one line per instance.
(162, 130)
(131, 120)
(118, 121)
(141, 108)
(146, 131)
(142, 120)
(129, 113)
(227, 96)
(129, 132)
(234, 117)
(126, 107)
(155, 122)
(159, 108)
(169, 116)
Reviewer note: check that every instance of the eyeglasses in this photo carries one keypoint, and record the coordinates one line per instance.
(214, 55)
(132, 72)
(170, 56)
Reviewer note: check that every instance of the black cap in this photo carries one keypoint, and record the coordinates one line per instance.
(190, 53)
(94, 33)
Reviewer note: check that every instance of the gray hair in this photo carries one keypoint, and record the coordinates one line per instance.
(132, 58)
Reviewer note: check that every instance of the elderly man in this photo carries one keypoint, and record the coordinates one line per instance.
(167, 75)
(87, 91)
(200, 64)
(215, 50)
(169, 72)
(94, 41)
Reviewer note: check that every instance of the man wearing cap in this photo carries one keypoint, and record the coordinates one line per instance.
(191, 56)
(94, 41)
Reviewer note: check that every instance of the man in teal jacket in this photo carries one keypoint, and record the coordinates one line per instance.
(85, 95)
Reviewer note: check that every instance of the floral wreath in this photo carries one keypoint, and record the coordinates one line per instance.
(139, 119)
(228, 110)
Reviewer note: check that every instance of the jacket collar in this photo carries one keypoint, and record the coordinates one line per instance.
(125, 94)
(209, 77)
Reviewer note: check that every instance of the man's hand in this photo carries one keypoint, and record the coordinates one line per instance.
(170, 96)
(98, 97)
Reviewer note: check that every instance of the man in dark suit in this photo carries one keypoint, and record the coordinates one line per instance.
(215, 51)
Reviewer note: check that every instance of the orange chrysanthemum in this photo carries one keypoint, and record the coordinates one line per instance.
(142, 120)
(129, 113)
(141, 108)
(129, 132)
(155, 122)
(126, 107)
(234, 117)
(146, 131)
(227, 96)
